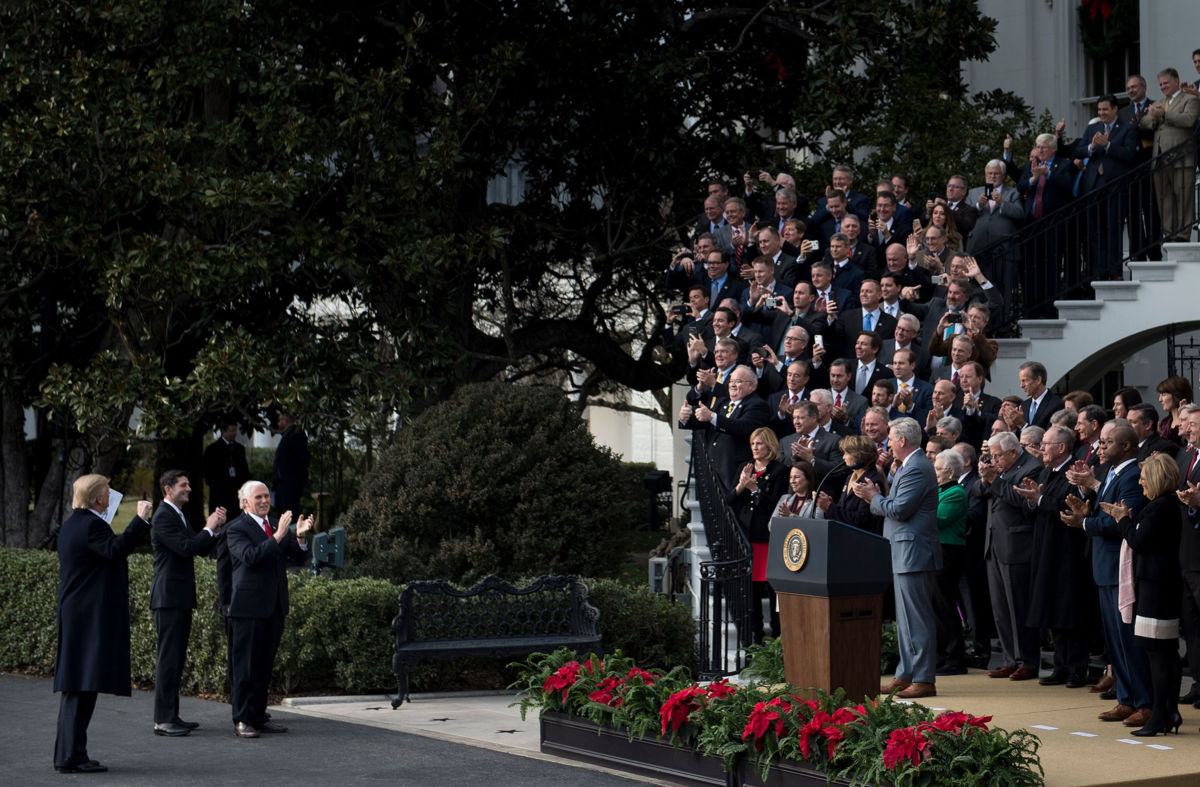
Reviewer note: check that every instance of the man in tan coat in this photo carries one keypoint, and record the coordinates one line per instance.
(1173, 120)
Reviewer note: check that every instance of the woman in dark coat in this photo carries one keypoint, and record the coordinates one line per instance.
(858, 451)
(1153, 537)
(93, 616)
(759, 488)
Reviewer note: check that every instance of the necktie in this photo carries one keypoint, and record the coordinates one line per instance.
(866, 321)
(267, 527)
(729, 410)
(838, 401)
(795, 398)
(1191, 465)
(1037, 199)
(1088, 458)
(721, 375)
(712, 296)
(863, 374)
(1108, 482)
(1032, 409)
(954, 378)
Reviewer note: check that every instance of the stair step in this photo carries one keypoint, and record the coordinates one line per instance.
(1079, 310)
(1116, 290)
(1153, 271)
(1042, 329)
(1182, 252)
(1013, 348)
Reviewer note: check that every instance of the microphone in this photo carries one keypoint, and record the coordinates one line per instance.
(839, 466)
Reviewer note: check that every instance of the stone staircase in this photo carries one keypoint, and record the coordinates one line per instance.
(1090, 336)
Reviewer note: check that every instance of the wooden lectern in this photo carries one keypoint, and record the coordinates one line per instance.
(830, 578)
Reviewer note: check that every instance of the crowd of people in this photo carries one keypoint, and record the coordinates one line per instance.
(816, 341)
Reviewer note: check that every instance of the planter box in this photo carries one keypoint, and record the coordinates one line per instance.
(579, 739)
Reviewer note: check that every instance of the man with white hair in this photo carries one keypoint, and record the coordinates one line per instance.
(1045, 182)
(910, 524)
(260, 551)
(727, 423)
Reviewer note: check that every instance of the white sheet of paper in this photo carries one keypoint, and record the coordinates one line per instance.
(114, 500)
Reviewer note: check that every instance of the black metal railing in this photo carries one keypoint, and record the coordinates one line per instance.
(725, 595)
(1058, 256)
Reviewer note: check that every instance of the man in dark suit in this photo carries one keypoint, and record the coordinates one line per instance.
(260, 550)
(822, 281)
(868, 370)
(1009, 551)
(906, 336)
(788, 270)
(1059, 579)
(173, 594)
(1042, 402)
(1108, 148)
(737, 238)
(727, 425)
(846, 276)
(719, 280)
(862, 254)
(980, 409)
(1046, 183)
(1087, 432)
(291, 465)
(914, 396)
(848, 405)
(712, 219)
(93, 617)
(883, 228)
(782, 402)
(1120, 483)
(965, 214)
(843, 181)
(1143, 418)
(1145, 229)
(867, 317)
(910, 524)
(810, 443)
(225, 468)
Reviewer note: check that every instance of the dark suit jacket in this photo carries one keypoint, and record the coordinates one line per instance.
(755, 510)
(866, 258)
(1050, 405)
(1116, 159)
(291, 470)
(1060, 181)
(848, 278)
(260, 568)
(856, 203)
(977, 426)
(1157, 444)
(1189, 538)
(225, 470)
(732, 287)
(922, 369)
(93, 604)
(729, 439)
(1010, 522)
(1061, 581)
(826, 458)
(1153, 535)
(175, 545)
(850, 326)
(1102, 529)
(965, 216)
(1145, 136)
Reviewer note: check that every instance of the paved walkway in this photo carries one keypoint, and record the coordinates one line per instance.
(332, 741)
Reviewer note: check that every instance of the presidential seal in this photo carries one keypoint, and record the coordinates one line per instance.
(795, 550)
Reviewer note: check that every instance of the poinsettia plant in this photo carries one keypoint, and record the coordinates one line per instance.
(875, 742)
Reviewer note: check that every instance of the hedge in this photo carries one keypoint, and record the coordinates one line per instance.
(337, 638)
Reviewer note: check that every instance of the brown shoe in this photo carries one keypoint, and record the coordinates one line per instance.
(917, 691)
(1022, 673)
(895, 685)
(1138, 719)
(1002, 672)
(1119, 713)
(1103, 685)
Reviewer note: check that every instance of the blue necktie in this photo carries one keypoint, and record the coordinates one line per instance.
(866, 321)
(1108, 482)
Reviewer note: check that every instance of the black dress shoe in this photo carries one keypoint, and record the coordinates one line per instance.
(1077, 682)
(1192, 697)
(191, 725)
(171, 730)
(1108, 695)
(91, 766)
(951, 669)
(270, 726)
(1053, 679)
(244, 730)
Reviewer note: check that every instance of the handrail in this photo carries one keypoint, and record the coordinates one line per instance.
(1052, 258)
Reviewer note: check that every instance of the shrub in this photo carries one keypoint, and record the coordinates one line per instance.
(500, 479)
(648, 627)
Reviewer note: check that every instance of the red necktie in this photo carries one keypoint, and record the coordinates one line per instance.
(838, 402)
(1088, 458)
(954, 378)
(267, 527)
(1037, 198)
(1191, 465)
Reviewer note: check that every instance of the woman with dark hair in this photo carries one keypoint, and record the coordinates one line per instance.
(1151, 588)
(759, 486)
(859, 452)
(1124, 399)
(1173, 393)
(942, 216)
(802, 480)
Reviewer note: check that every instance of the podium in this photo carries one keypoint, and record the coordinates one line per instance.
(830, 578)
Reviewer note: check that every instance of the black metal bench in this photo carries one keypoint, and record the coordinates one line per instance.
(493, 618)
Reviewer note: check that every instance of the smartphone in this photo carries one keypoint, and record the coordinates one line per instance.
(819, 340)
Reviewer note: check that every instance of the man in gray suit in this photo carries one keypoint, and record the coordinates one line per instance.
(910, 524)
(1009, 553)
(1001, 213)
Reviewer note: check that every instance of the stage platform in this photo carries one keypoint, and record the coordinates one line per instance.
(1077, 748)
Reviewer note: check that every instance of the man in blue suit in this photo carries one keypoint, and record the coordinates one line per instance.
(910, 524)
(1119, 474)
(1108, 148)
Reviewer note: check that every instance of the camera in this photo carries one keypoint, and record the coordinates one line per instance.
(680, 310)
(954, 317)
(769, 303)
(987, 189)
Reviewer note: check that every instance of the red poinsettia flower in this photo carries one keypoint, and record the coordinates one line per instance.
(598, 666)
(906, 743)
(605, 693)
(675, 711)
(562, 680)
(648, 678)
(720, 688)
(833, 736)
(760, 721)
(954, 721)
(818, 722)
